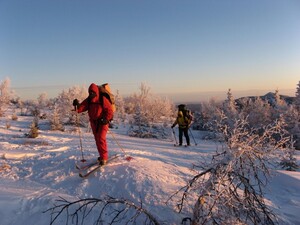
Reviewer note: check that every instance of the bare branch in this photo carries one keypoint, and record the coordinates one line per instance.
(120, 211)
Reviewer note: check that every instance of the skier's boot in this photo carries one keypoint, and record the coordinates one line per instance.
(102, 162)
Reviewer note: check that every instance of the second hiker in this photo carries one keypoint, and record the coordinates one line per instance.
(183, 120)
(100, 113)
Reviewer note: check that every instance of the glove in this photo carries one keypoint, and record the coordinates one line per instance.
(103, 121)
(75, 102)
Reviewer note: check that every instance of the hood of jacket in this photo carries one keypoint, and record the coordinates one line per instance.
(93, 87)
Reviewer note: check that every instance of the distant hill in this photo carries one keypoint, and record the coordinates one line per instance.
(269, 97)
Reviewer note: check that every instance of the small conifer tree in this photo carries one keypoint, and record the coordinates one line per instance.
(55, 120)
(34, 131)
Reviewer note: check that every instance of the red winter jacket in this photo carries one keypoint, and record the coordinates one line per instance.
(94, 108)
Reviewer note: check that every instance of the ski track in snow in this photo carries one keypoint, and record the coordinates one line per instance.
(36, 172)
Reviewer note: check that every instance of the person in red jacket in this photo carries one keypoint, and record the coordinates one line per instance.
(100, 113)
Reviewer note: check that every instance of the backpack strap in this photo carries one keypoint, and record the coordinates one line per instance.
(102, 95)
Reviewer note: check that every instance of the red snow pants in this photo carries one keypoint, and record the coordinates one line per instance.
(100, 138)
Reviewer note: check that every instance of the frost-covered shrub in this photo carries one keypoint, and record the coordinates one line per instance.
(119, 115)
(258, 112)
(209, 112)
(157, 132)
(148, 110)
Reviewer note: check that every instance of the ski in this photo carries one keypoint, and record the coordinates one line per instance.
(86, 166)
(176, 145)
(87, 174)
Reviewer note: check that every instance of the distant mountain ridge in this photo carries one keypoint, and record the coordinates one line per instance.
(269, 97)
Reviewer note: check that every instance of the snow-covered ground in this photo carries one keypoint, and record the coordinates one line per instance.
(36, 172)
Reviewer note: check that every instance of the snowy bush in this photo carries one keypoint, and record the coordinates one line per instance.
(258, 112)
(209, 112)
(119, 115)
(149, 112)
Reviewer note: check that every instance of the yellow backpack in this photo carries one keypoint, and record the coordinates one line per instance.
(104, 91)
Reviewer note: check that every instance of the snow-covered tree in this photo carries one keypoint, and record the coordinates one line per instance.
(209, 112)
(258, 112)
(296, 114)
(55, 120)
(297, 97)
(279, 107)
(278, 100)
(229, 108)
(230, 104)
(139, 103)
(148, 111)
(119, 115)
(64, 102)
(5, 94)
(230, 189)
(42, 100)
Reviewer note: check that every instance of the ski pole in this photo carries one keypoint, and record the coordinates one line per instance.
(174, 136)
(79, 131)
(192, 136)
(128, 158)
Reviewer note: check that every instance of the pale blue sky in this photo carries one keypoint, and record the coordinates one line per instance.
(174, 46)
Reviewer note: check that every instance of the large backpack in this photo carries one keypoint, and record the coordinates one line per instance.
(186, 112)
(104, 91)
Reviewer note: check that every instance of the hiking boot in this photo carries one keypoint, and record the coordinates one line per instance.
(103, 162)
